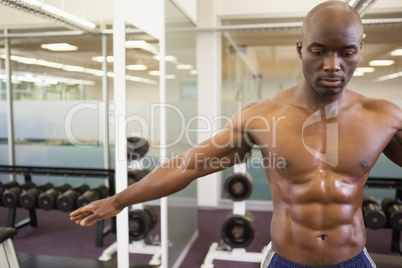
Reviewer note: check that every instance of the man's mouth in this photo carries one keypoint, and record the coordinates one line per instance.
(331, 82)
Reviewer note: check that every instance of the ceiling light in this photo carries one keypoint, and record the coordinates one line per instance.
(365, 69)
(137, 67)
(184, 67)
(49, 64)
(141, 44)
(73, 68)
(101, 59)
(388, 77)
(396, 52)
(46, 11)
(68, 16)
(168, 58)
(154, 73)
(59, 47)
(358, 73)
(170, 76)
(193, 72)
(381, 62)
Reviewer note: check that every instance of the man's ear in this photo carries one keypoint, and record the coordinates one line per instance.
(299, 46)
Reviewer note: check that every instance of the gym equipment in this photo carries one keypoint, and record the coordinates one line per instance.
(67, 201)
(238, 186)
(98, 192)
(29, 198)
(142, 219)
(8, 258)
(136, 148)
(10, 196)
(141, 222)
(47, 200)
(8, 185)
(393, 209)
(373, 215)
(136, 175)
(238, 230)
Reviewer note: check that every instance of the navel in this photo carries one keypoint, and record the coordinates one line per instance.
(322, 237)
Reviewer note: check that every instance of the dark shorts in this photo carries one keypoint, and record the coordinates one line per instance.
(272, 260)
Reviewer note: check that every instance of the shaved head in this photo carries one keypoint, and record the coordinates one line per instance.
(335, 12)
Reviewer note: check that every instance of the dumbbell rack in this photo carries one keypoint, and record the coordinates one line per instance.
(389, 183)
(135, 247)
(84, 173)
(236, 254)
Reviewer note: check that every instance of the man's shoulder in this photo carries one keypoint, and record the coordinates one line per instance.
(378, 106)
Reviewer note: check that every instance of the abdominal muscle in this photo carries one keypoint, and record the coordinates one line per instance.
(312, 239)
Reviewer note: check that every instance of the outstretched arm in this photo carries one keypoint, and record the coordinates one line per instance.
(394, 148)
(217, 153)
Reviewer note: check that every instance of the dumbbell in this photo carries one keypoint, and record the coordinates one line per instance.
(136, 175)
(67, 201)
(29, 198)
(373, 215)
(136, 148)
(10, 196)
(238, 230)
(238, 186)
(98, 192)
(141, 222)
(393, 209)
(6, 186)
(48, 199)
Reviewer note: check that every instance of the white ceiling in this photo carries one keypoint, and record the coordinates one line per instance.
(274, 49)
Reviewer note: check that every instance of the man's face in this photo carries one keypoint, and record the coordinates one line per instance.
(330, 51)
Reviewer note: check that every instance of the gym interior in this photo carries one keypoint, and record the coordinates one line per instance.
(95, 94)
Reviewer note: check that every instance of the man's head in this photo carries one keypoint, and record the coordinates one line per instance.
(331, 40)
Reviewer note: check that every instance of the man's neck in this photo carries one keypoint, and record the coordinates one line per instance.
(310, 99)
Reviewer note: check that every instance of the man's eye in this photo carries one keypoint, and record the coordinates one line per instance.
(317, 52)
(347, 53)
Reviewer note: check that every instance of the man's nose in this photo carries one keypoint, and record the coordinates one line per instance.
(332, 63)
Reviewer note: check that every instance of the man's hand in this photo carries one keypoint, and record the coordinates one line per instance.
(94, 212)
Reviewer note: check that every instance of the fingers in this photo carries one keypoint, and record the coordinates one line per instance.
(80, 215)
(88, 221)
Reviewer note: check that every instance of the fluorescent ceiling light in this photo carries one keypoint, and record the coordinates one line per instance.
(137, 67)
(73, 68)
(141, 44)
(381, 62)
(49, 64)
(168, 58)
(70, 68)
(59, 47)
(101, 59)
(365, 69)
(46, 11)
(396, 52)
(68, 16)
(193, 72)
(388, 77)
(154, 73)
(358, 73)
(170, 76)
(184, 67)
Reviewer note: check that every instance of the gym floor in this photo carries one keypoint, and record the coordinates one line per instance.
(58, 242)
